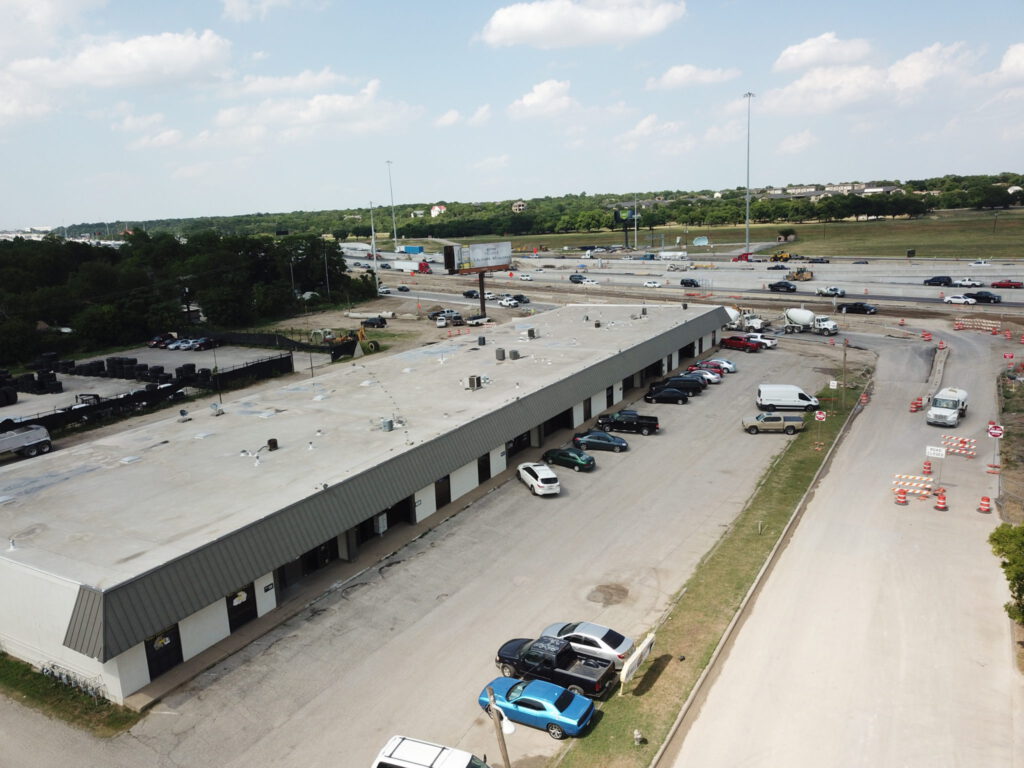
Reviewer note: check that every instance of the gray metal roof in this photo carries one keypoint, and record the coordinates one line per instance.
(105, 623)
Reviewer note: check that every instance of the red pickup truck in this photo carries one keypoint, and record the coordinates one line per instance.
(738, 342)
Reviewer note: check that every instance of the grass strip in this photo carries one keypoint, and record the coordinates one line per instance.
(702, 610)
(20, 682)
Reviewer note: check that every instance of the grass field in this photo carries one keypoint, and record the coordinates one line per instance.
(965, 234)
(708, 602)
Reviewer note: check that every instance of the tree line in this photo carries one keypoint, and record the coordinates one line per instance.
(594, 212)
(118, 296)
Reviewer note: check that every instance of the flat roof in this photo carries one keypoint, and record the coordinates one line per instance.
(107, 511)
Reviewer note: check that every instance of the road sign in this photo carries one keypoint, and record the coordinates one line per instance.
(935, 452)
(819, 415)
(995, 430)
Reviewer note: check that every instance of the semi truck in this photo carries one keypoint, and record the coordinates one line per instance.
(798, 320)
(422, 266)
(28, 441)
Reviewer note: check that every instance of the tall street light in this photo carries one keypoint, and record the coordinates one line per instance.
(394, 223)
(748, 96)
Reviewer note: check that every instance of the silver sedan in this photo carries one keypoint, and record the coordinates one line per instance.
(593, 640)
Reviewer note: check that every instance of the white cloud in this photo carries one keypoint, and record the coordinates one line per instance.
(1012, 65)
(647, 131)
(481, 117)
(493, 163)
(825, 89)
(451, 117)
(823, 49)
(726, 133)
(687, 74)
(294, 118)
(31, 26)
(307, 80)
(131, 123)
(796, 143)
(19, 100)
(568, 23)
(247, 10)
(145, 60)
(547, 98)
(915, 70)
(166, 138)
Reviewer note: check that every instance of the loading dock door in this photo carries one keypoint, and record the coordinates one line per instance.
(163, 651)
(241, 606)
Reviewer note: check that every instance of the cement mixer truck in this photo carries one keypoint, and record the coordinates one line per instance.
(743, 319)
(798, 320)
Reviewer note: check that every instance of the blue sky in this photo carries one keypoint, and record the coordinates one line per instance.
(128, 111)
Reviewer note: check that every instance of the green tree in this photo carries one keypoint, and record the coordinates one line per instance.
(1008, 545)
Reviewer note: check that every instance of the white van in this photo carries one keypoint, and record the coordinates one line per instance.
(403, 752)
(784, 396)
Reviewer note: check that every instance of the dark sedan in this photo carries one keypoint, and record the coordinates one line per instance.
(596, 440)
(573, 458)
(858, 308)
(783, 286)
(778, 266)
(985, 297)
(471, 294)
(689, 282)
(666, 395)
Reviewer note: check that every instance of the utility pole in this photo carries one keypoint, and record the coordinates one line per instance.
(748, 96)
(636, 218)
(327, 274)
(496, 718)
(394, 222)
(373, 247)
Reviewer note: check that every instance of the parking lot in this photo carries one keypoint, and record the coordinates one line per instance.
(408, 645)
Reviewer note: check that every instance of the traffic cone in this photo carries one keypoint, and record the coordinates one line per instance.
(986, 505)
(863, 398)
(927, 468)
(940, 500)
(913, 406)
(942, 344)
(901, 496)
(904, 322)
(1007, 334)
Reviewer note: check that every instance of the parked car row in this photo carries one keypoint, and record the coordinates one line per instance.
(968, 282)
(167, 341)
(682, 386)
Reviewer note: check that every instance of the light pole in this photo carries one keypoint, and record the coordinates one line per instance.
(748, 96)
(394, 223)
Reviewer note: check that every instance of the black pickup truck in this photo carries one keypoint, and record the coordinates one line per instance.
(553, 659)
(628, 421)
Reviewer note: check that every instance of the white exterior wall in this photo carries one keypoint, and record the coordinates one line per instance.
(499, 461)
(203, 628)
(425, 503)
(266, 600)
(597, 403)
(464, 479)
(577, 414)
(127, 673)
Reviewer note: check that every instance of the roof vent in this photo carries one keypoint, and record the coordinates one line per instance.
(513, 354)
(499, 353)
(386, 425)
(531, 333)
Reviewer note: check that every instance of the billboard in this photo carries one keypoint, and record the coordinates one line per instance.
(479, 257)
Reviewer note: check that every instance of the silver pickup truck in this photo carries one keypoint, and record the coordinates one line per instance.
(772, 421)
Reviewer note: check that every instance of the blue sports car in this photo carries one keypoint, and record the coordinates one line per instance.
(540, 705)
(597, 440)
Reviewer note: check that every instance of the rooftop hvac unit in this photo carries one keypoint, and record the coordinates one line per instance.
(513, 354)
(386, 425)
(531, 333)
(481, 341)
(643, 311)
(475, 382)
(597, 323)
(499, 353)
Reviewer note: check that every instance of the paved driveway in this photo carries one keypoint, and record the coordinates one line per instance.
(880, 637)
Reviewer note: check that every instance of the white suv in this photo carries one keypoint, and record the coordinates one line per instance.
(539, 478)
(768, 342)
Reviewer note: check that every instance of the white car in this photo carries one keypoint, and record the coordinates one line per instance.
(652, 284)
(508, 301)
(726, 365)
(767, 342)
(709, 376)
(967, 282)
(979, 263)
(588, 281)
(180, 344)
(538, 478)
(383, 291)
(593, 640)
(526, 277)
(490, 296)
(959, 299)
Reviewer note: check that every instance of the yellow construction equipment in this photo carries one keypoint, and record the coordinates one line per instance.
(800, 274)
